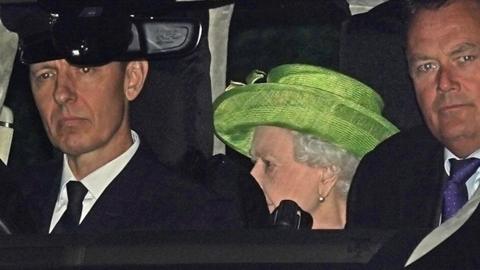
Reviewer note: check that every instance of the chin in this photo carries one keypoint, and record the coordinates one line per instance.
(73, 151)
(451, 131)
(74, 147)
(456, 133)
(460, 144)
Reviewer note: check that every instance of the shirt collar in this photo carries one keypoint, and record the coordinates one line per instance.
(447, 155)
(97, 181)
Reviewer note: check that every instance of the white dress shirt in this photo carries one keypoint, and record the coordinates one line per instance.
(447, 228)
(96, 182)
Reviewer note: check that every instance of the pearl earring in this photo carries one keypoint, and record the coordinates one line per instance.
(321, 198)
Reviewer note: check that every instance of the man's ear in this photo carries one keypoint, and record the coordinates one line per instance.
(135, 75)
(328, 179)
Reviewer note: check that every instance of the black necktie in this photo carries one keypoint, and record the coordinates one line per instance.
(70, 219)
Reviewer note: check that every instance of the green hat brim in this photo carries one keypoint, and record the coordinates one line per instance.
(325, 115)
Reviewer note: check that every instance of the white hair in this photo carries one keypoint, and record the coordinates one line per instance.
(314, 152)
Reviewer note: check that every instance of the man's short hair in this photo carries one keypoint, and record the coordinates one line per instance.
(411, 7)
(414, 5)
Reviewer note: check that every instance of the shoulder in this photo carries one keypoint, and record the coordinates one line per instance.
(400, 173)
(173, 199)
(399, 154)
(406, 150)
(406, 147)
(418, 136)
(37, 177)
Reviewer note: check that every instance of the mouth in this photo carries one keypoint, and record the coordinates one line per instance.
(69, 121)
(453, 107)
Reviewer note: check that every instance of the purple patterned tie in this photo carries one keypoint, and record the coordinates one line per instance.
(455, 193)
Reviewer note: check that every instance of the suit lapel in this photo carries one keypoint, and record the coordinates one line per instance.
(117, 204)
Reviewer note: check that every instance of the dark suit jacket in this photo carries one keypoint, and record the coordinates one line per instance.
(460, 251)
(144, 196)
(398, 185)
(226, 175)
(14, 216)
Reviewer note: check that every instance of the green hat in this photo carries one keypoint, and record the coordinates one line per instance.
(312, 100)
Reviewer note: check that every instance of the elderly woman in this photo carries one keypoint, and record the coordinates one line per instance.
(305, 128)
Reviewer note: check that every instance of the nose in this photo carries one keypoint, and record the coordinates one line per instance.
(446, 80)
(64, 89)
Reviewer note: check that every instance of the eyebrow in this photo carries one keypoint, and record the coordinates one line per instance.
(417, 57)
(463, 48)
(413, 59)
(45, 64)
(39, 66)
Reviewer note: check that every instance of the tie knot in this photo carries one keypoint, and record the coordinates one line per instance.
(76, 191)
(461, 170)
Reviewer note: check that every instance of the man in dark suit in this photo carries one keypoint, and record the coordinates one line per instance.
(400, 183)
(406, 182)
(145, 195)
(108, 179)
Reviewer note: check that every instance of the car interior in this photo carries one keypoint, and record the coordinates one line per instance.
(225, 40)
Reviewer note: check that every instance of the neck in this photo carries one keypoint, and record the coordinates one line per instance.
(331, 214)
(85, 163)
(462, 147)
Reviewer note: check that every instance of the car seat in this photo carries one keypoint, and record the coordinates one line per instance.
(372, 50)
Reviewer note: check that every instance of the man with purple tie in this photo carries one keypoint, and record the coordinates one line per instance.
(428, 177)
(412, 179)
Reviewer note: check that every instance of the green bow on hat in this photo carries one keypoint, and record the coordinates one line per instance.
(313, 100)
